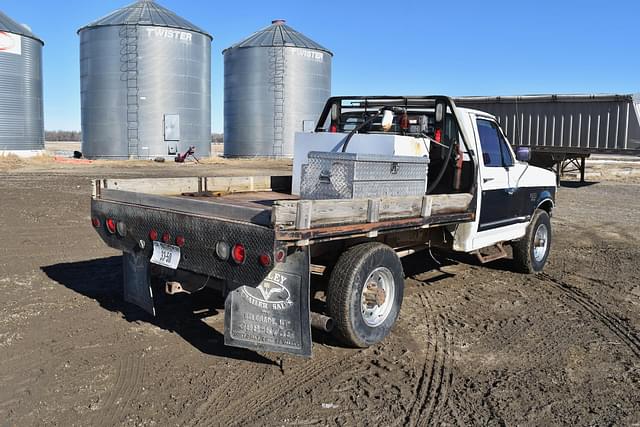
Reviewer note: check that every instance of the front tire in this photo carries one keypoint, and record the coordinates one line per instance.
(531, 252)
(365, 294)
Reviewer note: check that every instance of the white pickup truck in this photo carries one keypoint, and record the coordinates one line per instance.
(285, 263)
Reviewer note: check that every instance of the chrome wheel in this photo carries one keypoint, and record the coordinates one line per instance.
(540, 242)
(378, 294)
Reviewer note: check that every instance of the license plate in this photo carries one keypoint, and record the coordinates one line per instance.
(165, 255)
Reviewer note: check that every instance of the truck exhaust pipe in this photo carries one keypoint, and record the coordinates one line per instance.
(321, 322)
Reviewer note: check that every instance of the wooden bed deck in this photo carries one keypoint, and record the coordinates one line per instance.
(253, 200)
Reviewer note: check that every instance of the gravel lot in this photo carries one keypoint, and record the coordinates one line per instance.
(474, 344)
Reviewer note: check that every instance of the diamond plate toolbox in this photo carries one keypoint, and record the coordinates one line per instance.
(361, 176)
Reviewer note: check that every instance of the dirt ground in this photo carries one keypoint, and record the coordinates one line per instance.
(474, 344)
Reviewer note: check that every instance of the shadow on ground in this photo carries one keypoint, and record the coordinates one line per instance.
(577, 184)
(101, 280)
(435, 261)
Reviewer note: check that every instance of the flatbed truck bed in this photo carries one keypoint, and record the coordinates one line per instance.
(294, 221)
(294, 235)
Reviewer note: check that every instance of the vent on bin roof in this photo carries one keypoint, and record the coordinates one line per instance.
(145, 12)
(10, 26)
(279, 34)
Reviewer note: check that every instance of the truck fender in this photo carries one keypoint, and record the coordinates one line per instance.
(545, 202)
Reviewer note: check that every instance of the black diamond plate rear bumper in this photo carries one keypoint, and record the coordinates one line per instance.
(201, 235)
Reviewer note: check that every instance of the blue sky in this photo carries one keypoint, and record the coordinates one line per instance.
(386, 47)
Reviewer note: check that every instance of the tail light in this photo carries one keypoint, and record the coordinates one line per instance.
(111, 225)
(223, 250)
(166, 237)
(238, 253)
(333, 128)
(153, 234)
(281, 254)
(180, 241)
(121, 227)
(265, 260)
(438, 135)
(95, 222)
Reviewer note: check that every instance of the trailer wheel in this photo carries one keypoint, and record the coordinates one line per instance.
(531, 252)
(365, 293)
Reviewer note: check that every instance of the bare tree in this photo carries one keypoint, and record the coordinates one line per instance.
(62, 135)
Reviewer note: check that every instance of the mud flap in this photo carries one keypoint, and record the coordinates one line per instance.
(273, 316)
(137, 281)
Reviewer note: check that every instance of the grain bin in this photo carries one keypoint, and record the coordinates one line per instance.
(145, 84)
(276, 83)
(21, 111)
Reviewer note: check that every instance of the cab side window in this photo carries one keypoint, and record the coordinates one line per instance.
(495, 151)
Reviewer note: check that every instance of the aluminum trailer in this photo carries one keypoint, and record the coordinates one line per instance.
(563, 130)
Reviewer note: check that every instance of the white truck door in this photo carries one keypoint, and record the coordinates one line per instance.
(496, 218)
(495, 210)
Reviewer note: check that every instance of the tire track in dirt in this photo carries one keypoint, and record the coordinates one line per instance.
(129, 377)
(612, 322)
(246, 410)
(213, 404)
(436, 379)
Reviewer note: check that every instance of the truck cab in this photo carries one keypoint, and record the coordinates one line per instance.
(506, 189)
(510, 190)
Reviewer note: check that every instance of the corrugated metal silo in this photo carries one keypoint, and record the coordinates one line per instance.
(145, 84)
(21, 112)
(276, 83)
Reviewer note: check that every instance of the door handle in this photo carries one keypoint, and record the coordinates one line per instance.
(485, 180)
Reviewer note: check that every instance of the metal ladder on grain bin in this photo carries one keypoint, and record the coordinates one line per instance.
(129, 72)
(277, 79)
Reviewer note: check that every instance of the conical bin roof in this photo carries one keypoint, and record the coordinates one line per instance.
(148, 13)
(279, 34)
(8, 25)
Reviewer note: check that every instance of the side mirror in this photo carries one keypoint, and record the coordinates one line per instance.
(523, 154)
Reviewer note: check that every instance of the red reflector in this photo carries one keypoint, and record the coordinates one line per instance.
(238, 253)
(333, 129)
(95, 222)
(280, 255)
(166, 237)
(153, 234)
(438, 136)
(111, 225)
(180, 241)
(265, 260)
